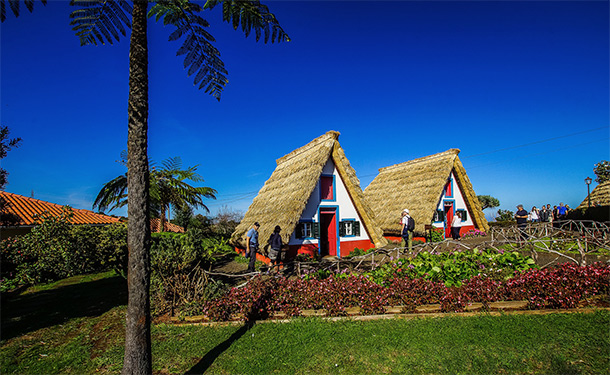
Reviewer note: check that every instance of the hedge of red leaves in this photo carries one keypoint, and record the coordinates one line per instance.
(561, 287)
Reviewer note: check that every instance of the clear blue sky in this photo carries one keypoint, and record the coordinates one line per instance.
(399, 80)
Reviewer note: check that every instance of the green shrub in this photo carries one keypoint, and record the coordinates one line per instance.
(436, 235)
(56, 249)
(358, 252)
(178, 264)
(454, 267)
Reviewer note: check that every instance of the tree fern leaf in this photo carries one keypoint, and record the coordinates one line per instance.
(182, 50)
(29, 4)
(123, 10)
(105, 20)
(202, 73)
(14, 4)
(189, 57)
(177, 34)
(195, 65)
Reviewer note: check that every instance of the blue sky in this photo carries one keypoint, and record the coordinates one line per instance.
(521, 88)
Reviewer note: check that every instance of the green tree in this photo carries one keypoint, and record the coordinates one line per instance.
(6, 144)
(167, 186)
(183, 214)
(505, 216)
(602, 171)
(487, 201)
(101, 21)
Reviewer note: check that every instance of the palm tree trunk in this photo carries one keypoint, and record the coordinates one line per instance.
(138, 357)
(162, 220)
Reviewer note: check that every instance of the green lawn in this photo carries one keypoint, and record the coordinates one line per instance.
(86, 343)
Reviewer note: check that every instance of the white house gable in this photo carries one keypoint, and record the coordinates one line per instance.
(452, 197)
(330, 193)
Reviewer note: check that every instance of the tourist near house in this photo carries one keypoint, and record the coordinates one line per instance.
(316, 199)
(434, 188)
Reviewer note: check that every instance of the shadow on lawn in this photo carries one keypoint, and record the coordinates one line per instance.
(24, 313)
(215, 352)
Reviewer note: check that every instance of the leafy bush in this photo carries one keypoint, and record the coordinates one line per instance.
(178, 262)
(436, 235)
(56, 249)
(453, 267)
(359, 252)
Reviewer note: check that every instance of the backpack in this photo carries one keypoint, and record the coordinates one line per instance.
(411, 224)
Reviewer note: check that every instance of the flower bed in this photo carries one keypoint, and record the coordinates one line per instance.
(562, 287)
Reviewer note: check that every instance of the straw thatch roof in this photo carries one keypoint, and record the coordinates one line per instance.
(282, 200)
(418, 185)
(600, 195)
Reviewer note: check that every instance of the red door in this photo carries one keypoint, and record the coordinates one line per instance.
(328, 232)
(448, 218)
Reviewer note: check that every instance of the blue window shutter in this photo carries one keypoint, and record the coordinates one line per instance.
(356, 228)
(299, 231)
(342, 225)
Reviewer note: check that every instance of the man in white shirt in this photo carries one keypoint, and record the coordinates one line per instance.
(407, 227)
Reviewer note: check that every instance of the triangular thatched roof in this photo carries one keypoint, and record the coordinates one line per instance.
(283, 198)
(599, 196)
(418, 185)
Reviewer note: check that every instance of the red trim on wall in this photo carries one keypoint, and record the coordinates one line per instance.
(349, 246)
(259, 256)
(398, 239)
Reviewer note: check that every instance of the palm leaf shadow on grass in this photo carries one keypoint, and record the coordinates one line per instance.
(24, 313)
(215, 352)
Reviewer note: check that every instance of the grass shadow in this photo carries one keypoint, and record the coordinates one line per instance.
(215, 352)
(27, 312)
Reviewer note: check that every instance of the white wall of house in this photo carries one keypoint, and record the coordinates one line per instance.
(458, 203)
(345, 207)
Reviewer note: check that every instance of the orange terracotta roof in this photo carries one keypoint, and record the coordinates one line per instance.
(155, 224)
(25, 208)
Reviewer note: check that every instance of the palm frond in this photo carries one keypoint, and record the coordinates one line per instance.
(100, 21)
(113, 195)
(15, 7)
(250, 15)
(201, 58)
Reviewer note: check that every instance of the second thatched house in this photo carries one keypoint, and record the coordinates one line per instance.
(433, 188)
(316, 199)
(600, 196)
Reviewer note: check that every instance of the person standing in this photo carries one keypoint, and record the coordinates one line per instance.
(456, 225)
(252, 245)
(562, 211)
(544, 214)
(521, 217)
(534, 215)
(407, 227)
(275, 245)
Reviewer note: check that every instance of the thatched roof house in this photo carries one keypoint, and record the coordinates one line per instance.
(433, 188)
(315, 197)
(600, 196)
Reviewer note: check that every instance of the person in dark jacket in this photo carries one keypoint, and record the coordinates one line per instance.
(521, 217)
(275, 247)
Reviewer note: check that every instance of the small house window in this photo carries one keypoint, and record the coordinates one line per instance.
(349, 228)
(439, 215)
(327, 188)
(307, 230)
